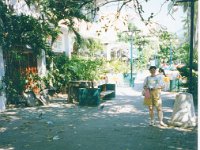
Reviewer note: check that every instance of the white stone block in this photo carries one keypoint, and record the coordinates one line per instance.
(2, 103)
(183, 112)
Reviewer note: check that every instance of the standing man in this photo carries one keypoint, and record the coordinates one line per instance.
(154, 84)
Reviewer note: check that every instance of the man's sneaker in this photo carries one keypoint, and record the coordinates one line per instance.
(152, 123)
(163, 124)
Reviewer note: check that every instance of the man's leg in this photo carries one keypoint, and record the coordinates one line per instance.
(151, 114)
(160, 113)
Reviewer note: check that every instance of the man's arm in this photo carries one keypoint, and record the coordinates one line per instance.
(145, 84)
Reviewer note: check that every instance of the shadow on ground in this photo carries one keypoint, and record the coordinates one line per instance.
(117, 124)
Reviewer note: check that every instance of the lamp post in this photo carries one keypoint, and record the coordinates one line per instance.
(131, 59)
(191, 37)
(191, 43)
(170, 55)
(130, 33)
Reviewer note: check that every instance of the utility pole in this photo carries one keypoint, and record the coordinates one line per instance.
(170, 58)
(131, 59)
(191, 42)
(191, 38)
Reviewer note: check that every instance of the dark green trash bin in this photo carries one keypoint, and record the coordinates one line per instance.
(73, 89)
(174, 85)
(89, 96)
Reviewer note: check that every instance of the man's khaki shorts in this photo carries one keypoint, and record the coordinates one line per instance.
(155, 99)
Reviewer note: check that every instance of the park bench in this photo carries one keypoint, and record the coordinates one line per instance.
(83, 93)
(94, 96)
(107, 91)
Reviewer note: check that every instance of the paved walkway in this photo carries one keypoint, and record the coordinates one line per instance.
(118, 124)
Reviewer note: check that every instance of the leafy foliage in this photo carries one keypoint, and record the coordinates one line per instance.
(184, 71)
(182, 53)
(139, 42)
(167, 42)
(15, 85)
(76, 68)
(22, 32)
(117, 66)
(87, 47)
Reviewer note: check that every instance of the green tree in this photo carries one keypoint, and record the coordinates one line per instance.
(139, 42)
(89, 47)
(76, 68)
(168, 43)
(21, 32)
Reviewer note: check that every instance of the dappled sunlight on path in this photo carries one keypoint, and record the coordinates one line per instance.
(120, 123)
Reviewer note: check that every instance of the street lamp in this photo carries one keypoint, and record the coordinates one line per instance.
(130, 33)
(170, 53)
(191, 37)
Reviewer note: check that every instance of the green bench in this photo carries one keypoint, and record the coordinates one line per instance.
(93, 96)
(107, 91)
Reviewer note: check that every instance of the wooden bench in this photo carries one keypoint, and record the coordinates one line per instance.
(93, 96)
(107, 91)
(104, 93)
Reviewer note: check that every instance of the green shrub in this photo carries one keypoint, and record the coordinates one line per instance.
(184, 71)
(76, 68)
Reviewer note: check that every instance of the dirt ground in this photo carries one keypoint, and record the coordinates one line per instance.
(118, 124)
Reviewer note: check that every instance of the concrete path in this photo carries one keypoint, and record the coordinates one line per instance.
(117, 124)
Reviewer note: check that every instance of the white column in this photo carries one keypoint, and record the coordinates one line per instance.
(108, 54)
(2, 73)
(68, 44)
(67, 41)
(2, 70)
(41, 64)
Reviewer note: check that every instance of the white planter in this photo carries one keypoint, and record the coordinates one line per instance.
(2, 103)
(184, 112)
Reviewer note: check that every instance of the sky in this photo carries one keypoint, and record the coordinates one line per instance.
(173, 23)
